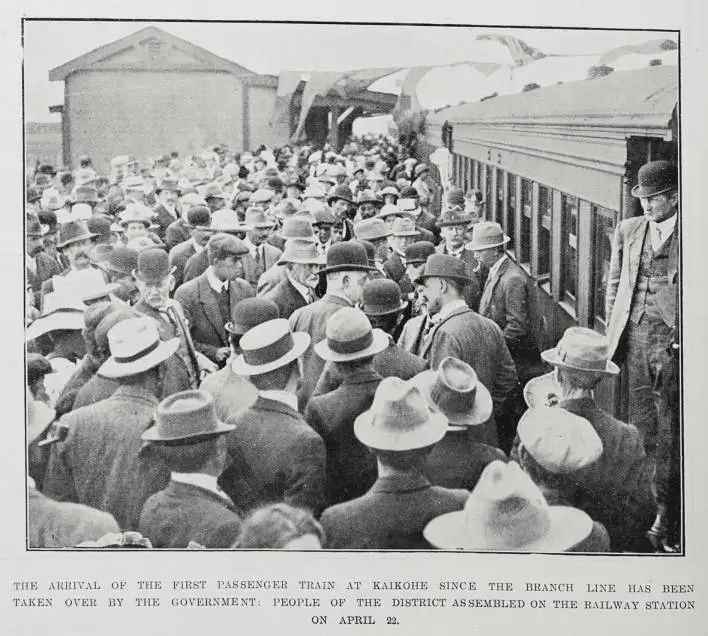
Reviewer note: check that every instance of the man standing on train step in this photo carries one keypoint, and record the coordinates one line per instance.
(641, 294)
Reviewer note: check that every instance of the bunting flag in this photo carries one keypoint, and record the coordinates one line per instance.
(521, 53)
(288, 82)
(320, 83)
(650, 47)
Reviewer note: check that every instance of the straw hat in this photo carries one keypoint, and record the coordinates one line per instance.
(269, 346)
(584, 350)
(61, 311)
(542, 391)
(349, 336)
(86, 284)
(506, 511)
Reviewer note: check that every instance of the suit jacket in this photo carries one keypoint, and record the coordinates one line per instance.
(624, 266)
(412, 337)
(312, 319)
(252, 269)
(54, 524)
(96, 389)
(100, 462)
(396, 271)
(274, 456)
(473, 290)
(179, 255)
(286, 297)
(232, 393)
(195, 266)
(269, 279)
(391, 515)
(505, 301)
(201, 308)
(46, 268)
(183, 512)
(176, 233)
(479, 342)
(163, 219)
(351, 467)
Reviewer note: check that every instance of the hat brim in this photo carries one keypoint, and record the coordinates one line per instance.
(551, 357)
(541, 391)
(644, 193)
(301, 342)
(347, 268)
(392, 310)
(473, 247)
(409, 233)
(108, 289)
(153, 279)
(481, 409)
(466, 220)
(568, 527)
(379, 439)
(77, 239)
(153, 434)
(319, 260)
(379, 342)
(423, 276)
(56, 321)
(112, 369)
(331, 199)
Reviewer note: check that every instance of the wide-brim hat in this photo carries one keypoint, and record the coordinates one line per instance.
(73, 232)
(367, 345)
(479, 408)
(443, 266)
(400, 419)
(118, 368)
(371, 229)
(269, 346)
(342, 192)
(454, 216)
(486, 235)
(59, 320)
(655, 178)
(542, 391)
(347, 256)
(301, 251)
(582, 349)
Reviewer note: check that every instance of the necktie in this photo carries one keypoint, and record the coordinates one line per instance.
(224, 303)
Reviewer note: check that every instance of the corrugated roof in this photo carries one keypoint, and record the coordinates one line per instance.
(640, 97)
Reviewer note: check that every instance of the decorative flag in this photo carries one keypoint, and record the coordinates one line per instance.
(521, 53)
(650, 47)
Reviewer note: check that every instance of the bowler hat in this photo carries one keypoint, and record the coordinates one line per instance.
(301, 251)
(485, 235)
(73, 232)
(123, 260)
(186, 415)
(269, 346)
(349, 336)
(370, 253)
(444, 266)
(342, 192)
(454, 216)
(455, 390)
(100, 225)
(399, 419)
(346, 256)
(506, 511)
(249, 312)
(371, 230)
(153, 265)
(558, 440)
(655, 177)
(199, 216)
(584, 350)
(409, 192)
(417, 253)
(381, 297)
(136, 347)
(404, 227)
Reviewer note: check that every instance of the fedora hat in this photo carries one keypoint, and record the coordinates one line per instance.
(135, 347)
(39, 416)
(213, 191)
(61, 311)
(454, 216)
(542, 391)
(417, 253)
(286, 208)
(269, 346)
(301, 251)
(389, 210)
(382, 296)
(349, 336)
(558, 440)
(655, 177)
(404, 227)
(153, 265)
(371, 230)
(342, 192)
(73, 232)
(455, 390)
(485, 235)
(367, 196)
(400, 419)
(347, 256)
(506, 511)
(186, 415)
(582, 349)
(444, 266)
(250, 312)
(257, 218)
(137, 213)
(299, 227)
(85, 284)
(323, 216)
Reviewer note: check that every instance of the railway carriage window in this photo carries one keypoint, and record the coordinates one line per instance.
(569, 250)
(510, 225)
(500, 197)
(545, 211)
(526, 213)
(604, 228)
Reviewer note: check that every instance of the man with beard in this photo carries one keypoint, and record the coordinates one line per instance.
(340, 200)
(39, 265)
(368, 205)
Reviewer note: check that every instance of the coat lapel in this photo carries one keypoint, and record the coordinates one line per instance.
(672, 266)
(634, 248)
(491, 284)
(207, 297)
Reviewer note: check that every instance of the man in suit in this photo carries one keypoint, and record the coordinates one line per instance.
(641, 293)
(178, 231)
(100, 462)
(462, 333)
(401, 430)
(347, 271)
(273, 454)
(189, 437)
(409, 203)
(40, 266)
(198, 223)
(342, 204)
(260, 255)
(375, 232)
(349, 348)
(403, 235)
(167, 192)
(208, 301)
(302, 263)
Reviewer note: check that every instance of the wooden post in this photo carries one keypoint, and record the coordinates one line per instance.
(334, 112)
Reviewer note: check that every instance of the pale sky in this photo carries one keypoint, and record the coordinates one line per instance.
(270, 48)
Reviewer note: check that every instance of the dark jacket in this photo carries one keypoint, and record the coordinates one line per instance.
(177, 232)
(182, 513)
(163, 219)
(178, 257)
(274, 456)
(195, 266)
(396, 271)
(252, 269)
(95, 390)
(351, 467)
(286, 297)
(390, 516)
(46, 268)
(506, 301)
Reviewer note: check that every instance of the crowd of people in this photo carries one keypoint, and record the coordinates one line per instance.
(301, 348)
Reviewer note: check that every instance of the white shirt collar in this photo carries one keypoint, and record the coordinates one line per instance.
(197, 248)
(661, 231)
(304, 290)
(457, 253)
(216, 284)
(284, 397)
(495, 268)
(207, 482)
(448, 309)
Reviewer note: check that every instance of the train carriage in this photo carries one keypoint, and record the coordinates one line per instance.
(556, 166)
